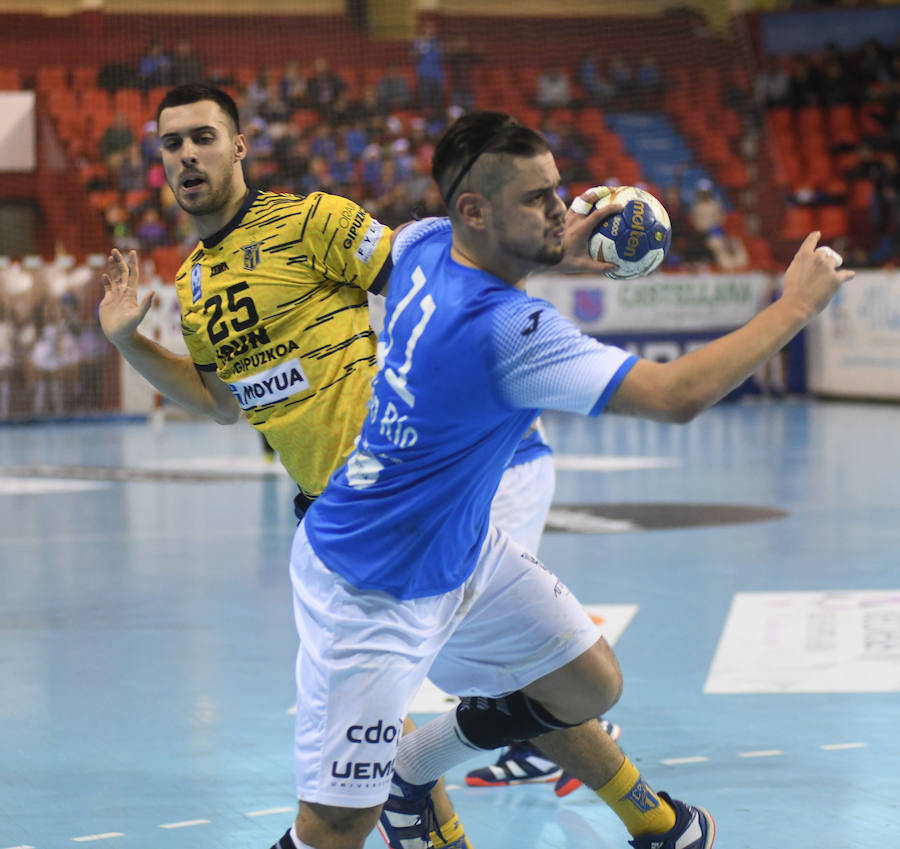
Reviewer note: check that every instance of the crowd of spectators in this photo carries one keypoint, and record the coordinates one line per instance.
(53, 356)
(313, 128)
(867, 82)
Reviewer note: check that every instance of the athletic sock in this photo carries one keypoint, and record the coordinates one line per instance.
(633, 802)
(451, 832)
(429, 751)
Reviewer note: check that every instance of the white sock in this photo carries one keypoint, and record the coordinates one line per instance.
(428, 752)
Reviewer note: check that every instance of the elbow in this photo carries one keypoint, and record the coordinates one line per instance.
(685, 413)
(683, 410)
(226, 415)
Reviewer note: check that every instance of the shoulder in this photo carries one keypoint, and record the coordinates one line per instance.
(416, 232)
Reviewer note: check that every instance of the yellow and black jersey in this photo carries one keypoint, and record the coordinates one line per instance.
(275, 303)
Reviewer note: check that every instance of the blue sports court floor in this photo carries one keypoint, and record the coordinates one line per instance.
(747, 564)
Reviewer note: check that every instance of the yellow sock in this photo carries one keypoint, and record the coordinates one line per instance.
(633, 802)
(454, 835)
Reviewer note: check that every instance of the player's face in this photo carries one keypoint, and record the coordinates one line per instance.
(201, 155)
(528, 213)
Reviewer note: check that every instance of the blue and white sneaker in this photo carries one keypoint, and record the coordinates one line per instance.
(694, 829)
(568, 783)
(408, 817)
(521, 763)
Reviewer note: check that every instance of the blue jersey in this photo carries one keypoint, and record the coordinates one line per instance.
(467, 362)
(532, 446)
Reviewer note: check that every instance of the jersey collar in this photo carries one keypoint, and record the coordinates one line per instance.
(215, 238)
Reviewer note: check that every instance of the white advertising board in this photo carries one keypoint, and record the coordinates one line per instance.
(17, 132)
(853, 347)
(660, 302)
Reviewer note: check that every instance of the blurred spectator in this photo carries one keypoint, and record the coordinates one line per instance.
(7, 359)
(324, 87)
(45, 363)
(343, 171)
(149, 143)
(707, 217)
(461, 61)
(429, 65)
(151, 231)
(293, 85)
(599, 90)
(115, 141)
(873, 63)
(392, 91)
(274, 108)
(649, 84)
(773, 83)
(552, 89)
(255, 94)
(132, 175)
(187, 67)
(322, 142)
(886, 211)
(805, 87)
(155, 66)
(619, 73)
(260, 144)
(838, 84)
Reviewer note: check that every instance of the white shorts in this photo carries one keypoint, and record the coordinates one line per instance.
(363, 656)
(523, 499)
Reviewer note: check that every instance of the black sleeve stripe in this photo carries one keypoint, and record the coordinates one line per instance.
(207, 367)
(382, 278)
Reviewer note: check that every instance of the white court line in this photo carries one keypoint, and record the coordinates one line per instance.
(838, 747)
(696, 759)
(89, 837)
(184, 824)
(762, 753)
(268, 812)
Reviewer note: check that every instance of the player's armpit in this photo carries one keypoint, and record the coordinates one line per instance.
(226, 409)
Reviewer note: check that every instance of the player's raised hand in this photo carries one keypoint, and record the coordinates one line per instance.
(812, 278)
(582, 218)
(120, 312)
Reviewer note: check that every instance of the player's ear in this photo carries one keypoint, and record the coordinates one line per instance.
(240, 147)
(470, 208)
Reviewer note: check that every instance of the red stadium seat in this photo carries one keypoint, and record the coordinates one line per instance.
(167, 261)
(832, 221)
(798, 222)
(10, 79)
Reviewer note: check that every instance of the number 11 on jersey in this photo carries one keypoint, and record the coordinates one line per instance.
(397, 379)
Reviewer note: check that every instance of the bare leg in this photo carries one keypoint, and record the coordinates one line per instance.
(586, 751)
(329, 827)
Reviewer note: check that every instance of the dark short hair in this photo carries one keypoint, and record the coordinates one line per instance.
(470, 137)
(187, 93)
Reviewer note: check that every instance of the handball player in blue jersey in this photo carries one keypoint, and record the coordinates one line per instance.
(397, 571)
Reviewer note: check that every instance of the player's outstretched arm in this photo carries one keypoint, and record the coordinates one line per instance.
(679, 390)
(173, 375)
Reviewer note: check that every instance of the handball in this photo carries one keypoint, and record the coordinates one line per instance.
(635, 239)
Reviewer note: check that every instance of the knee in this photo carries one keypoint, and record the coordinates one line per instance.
(582, 689)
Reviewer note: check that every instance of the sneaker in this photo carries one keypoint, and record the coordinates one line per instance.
(519, 764)
(408, 817)
(694, 829)
(568, 783)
